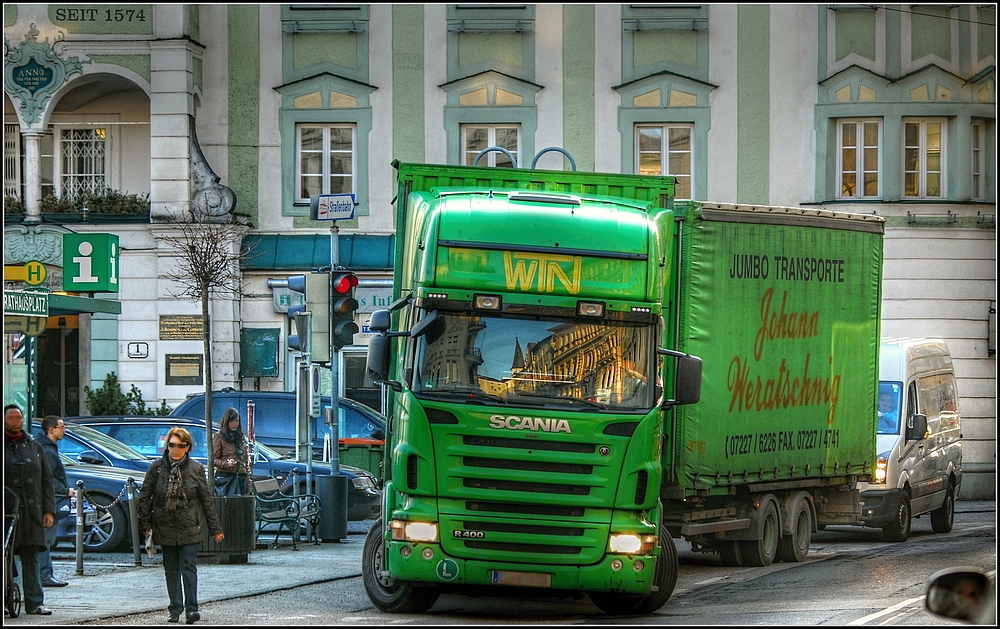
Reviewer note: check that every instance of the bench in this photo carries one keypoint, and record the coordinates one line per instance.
(286, 511)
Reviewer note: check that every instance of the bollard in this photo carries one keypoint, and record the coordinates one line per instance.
(133, 514)
(79, 527)
(295, 482)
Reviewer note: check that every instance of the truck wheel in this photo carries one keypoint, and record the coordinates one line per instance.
(729, 553)
(943, 518)
(761, 552)
(616, 604)
(795, 547)
(667, 567)
(899, 529)
(386, 594)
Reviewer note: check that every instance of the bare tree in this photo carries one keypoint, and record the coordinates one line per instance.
(208, 265)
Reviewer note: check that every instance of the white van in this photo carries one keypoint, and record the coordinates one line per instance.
(919, 438)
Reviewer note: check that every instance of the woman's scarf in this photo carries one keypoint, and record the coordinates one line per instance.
(176, 498)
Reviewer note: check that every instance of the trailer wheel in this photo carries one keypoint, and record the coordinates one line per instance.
(943, 518)
(761, 552)
(386, 594)
(729, 553)
(899, 529)
(795, 547)
(665, 579)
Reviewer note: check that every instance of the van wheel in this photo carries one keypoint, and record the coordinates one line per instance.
(795, 547)
(943, 518)
(386, 594)
(899, 529)
(761, 552)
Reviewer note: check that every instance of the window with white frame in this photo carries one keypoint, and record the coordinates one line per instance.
(923, 158)
(859, 159)
(666, 150)
(978, 139)
(83, 160)
(327, 155)
(476, 137)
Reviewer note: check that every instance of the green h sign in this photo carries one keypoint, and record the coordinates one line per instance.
(90, 263)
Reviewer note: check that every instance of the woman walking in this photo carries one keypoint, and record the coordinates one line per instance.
(231, 454)
(173, 498)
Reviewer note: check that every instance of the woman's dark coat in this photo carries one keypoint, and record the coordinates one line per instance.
(27, 474)
(184, 524)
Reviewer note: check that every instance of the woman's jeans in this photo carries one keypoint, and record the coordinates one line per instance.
(180, 566)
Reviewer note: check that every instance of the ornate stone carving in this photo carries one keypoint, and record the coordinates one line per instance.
(34, 72)
(211, 202)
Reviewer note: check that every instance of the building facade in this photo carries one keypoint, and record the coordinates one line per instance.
(211, 111)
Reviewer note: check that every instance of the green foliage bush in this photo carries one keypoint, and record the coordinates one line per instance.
(108, 399)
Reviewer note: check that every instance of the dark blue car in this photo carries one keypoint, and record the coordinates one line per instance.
(148, 434)
(86, 445)
(107, 500)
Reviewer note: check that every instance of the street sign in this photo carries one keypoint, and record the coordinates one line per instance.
(27, 303)
(90, 263)
(32, 326)
(332, 207)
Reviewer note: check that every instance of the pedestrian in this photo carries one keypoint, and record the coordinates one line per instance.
(231, 453)
(174, 501)
(27, 474)
(53, 431)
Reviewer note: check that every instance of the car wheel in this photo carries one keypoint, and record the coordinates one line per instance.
(110, 532)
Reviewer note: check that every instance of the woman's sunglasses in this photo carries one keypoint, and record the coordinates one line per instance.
(176, 445)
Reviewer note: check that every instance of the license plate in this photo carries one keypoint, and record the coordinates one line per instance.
(527, 579)
(90, 518)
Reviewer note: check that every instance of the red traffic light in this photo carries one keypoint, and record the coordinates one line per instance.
(344, 283)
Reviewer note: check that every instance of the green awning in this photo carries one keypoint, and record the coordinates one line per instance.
(71, 305)
(278, 252)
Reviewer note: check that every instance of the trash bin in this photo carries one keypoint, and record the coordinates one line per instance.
(237, 515)
(332, 492)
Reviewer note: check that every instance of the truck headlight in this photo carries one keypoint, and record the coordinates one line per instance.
(403, 531)
(880, 470)
(631, 544)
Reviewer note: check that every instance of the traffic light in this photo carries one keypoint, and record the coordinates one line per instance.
(342, 309)
(298, 342)
(301, 341)
(318, 303)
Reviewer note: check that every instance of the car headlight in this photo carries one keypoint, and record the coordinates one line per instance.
(880, 470)
(364, 483)
(631, 544)
(403, 531)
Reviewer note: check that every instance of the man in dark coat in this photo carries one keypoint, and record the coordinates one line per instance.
(53, 431)
(172, 502)
(27, 474)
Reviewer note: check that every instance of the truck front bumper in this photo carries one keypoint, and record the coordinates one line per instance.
(880, 506)
(428, 564)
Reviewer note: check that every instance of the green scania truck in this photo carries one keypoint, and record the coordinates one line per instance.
(582, 369)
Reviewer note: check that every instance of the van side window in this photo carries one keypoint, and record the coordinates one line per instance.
(936, 394)
(911, 402)
(274, 418)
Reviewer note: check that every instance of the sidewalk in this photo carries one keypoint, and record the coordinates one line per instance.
(108, 589)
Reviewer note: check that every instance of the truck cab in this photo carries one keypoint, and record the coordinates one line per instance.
(919, 439)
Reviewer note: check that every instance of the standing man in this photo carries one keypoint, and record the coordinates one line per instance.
(27, 474)
(53, 431)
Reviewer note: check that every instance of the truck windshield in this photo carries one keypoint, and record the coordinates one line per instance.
(515, 361)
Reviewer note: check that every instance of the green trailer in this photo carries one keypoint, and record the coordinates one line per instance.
(582, 369)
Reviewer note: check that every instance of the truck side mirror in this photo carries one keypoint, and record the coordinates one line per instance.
(687, 379)
(916, 428)
(377, 362)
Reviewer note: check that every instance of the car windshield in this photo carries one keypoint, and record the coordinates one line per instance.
(572, 364)
(111, 445)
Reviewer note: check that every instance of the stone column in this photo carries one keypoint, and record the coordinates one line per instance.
(171, 103)
(32, 176)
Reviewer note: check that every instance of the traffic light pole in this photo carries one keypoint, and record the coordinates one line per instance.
(334, 358)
